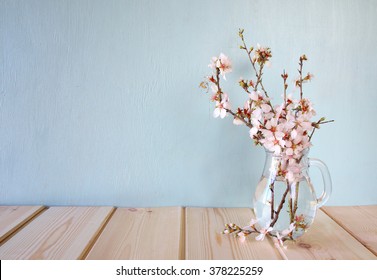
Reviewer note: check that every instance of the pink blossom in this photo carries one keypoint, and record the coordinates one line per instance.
(307, 109)
(261, 55)
(256, 126)
(247, 105)
(293, 172)
(214, 88)
(260, 107)
(274, 135)
(222, 63)
(265, 108)
(303, 123)
(260, 101)
(263, 232)
(284, 233)
(212, 64)
(255, 95)
(289, 151)
(288, 230)
(221, 107)
(251, 224)
(241, 236)
(294, 133)
(238, 121)
(214, 97)
(279, 241)
(253, 131)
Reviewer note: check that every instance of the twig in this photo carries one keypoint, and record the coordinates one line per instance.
(296, 199)
(272, 200)
(242, 119)
(318, 123)
(259, 80)
(300, 71)
(279, 208)
(285, 76)
(218, 83)
(219, 92)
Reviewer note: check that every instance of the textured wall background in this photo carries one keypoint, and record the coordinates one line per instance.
(100, 101)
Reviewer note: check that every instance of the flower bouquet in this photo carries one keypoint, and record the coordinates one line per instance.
(285, 131)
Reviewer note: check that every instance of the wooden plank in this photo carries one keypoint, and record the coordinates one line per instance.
(359, 221)
(326, 240)
(14, 217)
(205, 241)
(143, 233)
(58, 233)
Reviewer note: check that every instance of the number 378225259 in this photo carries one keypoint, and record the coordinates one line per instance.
(235, 270)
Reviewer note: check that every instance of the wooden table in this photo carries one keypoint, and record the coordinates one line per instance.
(38, 232)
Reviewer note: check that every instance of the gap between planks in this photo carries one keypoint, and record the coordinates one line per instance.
(182, 241)
(23, 224)
(95, 238)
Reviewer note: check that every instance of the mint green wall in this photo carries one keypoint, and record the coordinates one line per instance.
(100, 102)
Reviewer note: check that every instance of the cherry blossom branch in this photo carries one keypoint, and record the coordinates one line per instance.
(316, 125)
(219, 93)
(259, 73)
(241, 119)
(237, 231)
(240, 33)
(263, 89)
(233, 228)
(258, 76)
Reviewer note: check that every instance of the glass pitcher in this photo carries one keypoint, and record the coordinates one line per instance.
(289, 207)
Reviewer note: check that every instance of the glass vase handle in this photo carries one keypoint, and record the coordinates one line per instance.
(327, 185)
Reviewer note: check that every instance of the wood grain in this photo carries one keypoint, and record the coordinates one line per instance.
(326, 240)
(14, 217)
(143, 233)
(359, 221)
(58, 233)
(204, 240)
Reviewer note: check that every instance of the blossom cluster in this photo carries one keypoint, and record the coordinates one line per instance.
(241, 233)
(284, 129)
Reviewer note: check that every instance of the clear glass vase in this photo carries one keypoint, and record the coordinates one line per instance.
(289, 207)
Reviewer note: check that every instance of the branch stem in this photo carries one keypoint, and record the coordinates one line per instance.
(279, 208)
(272, 200)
